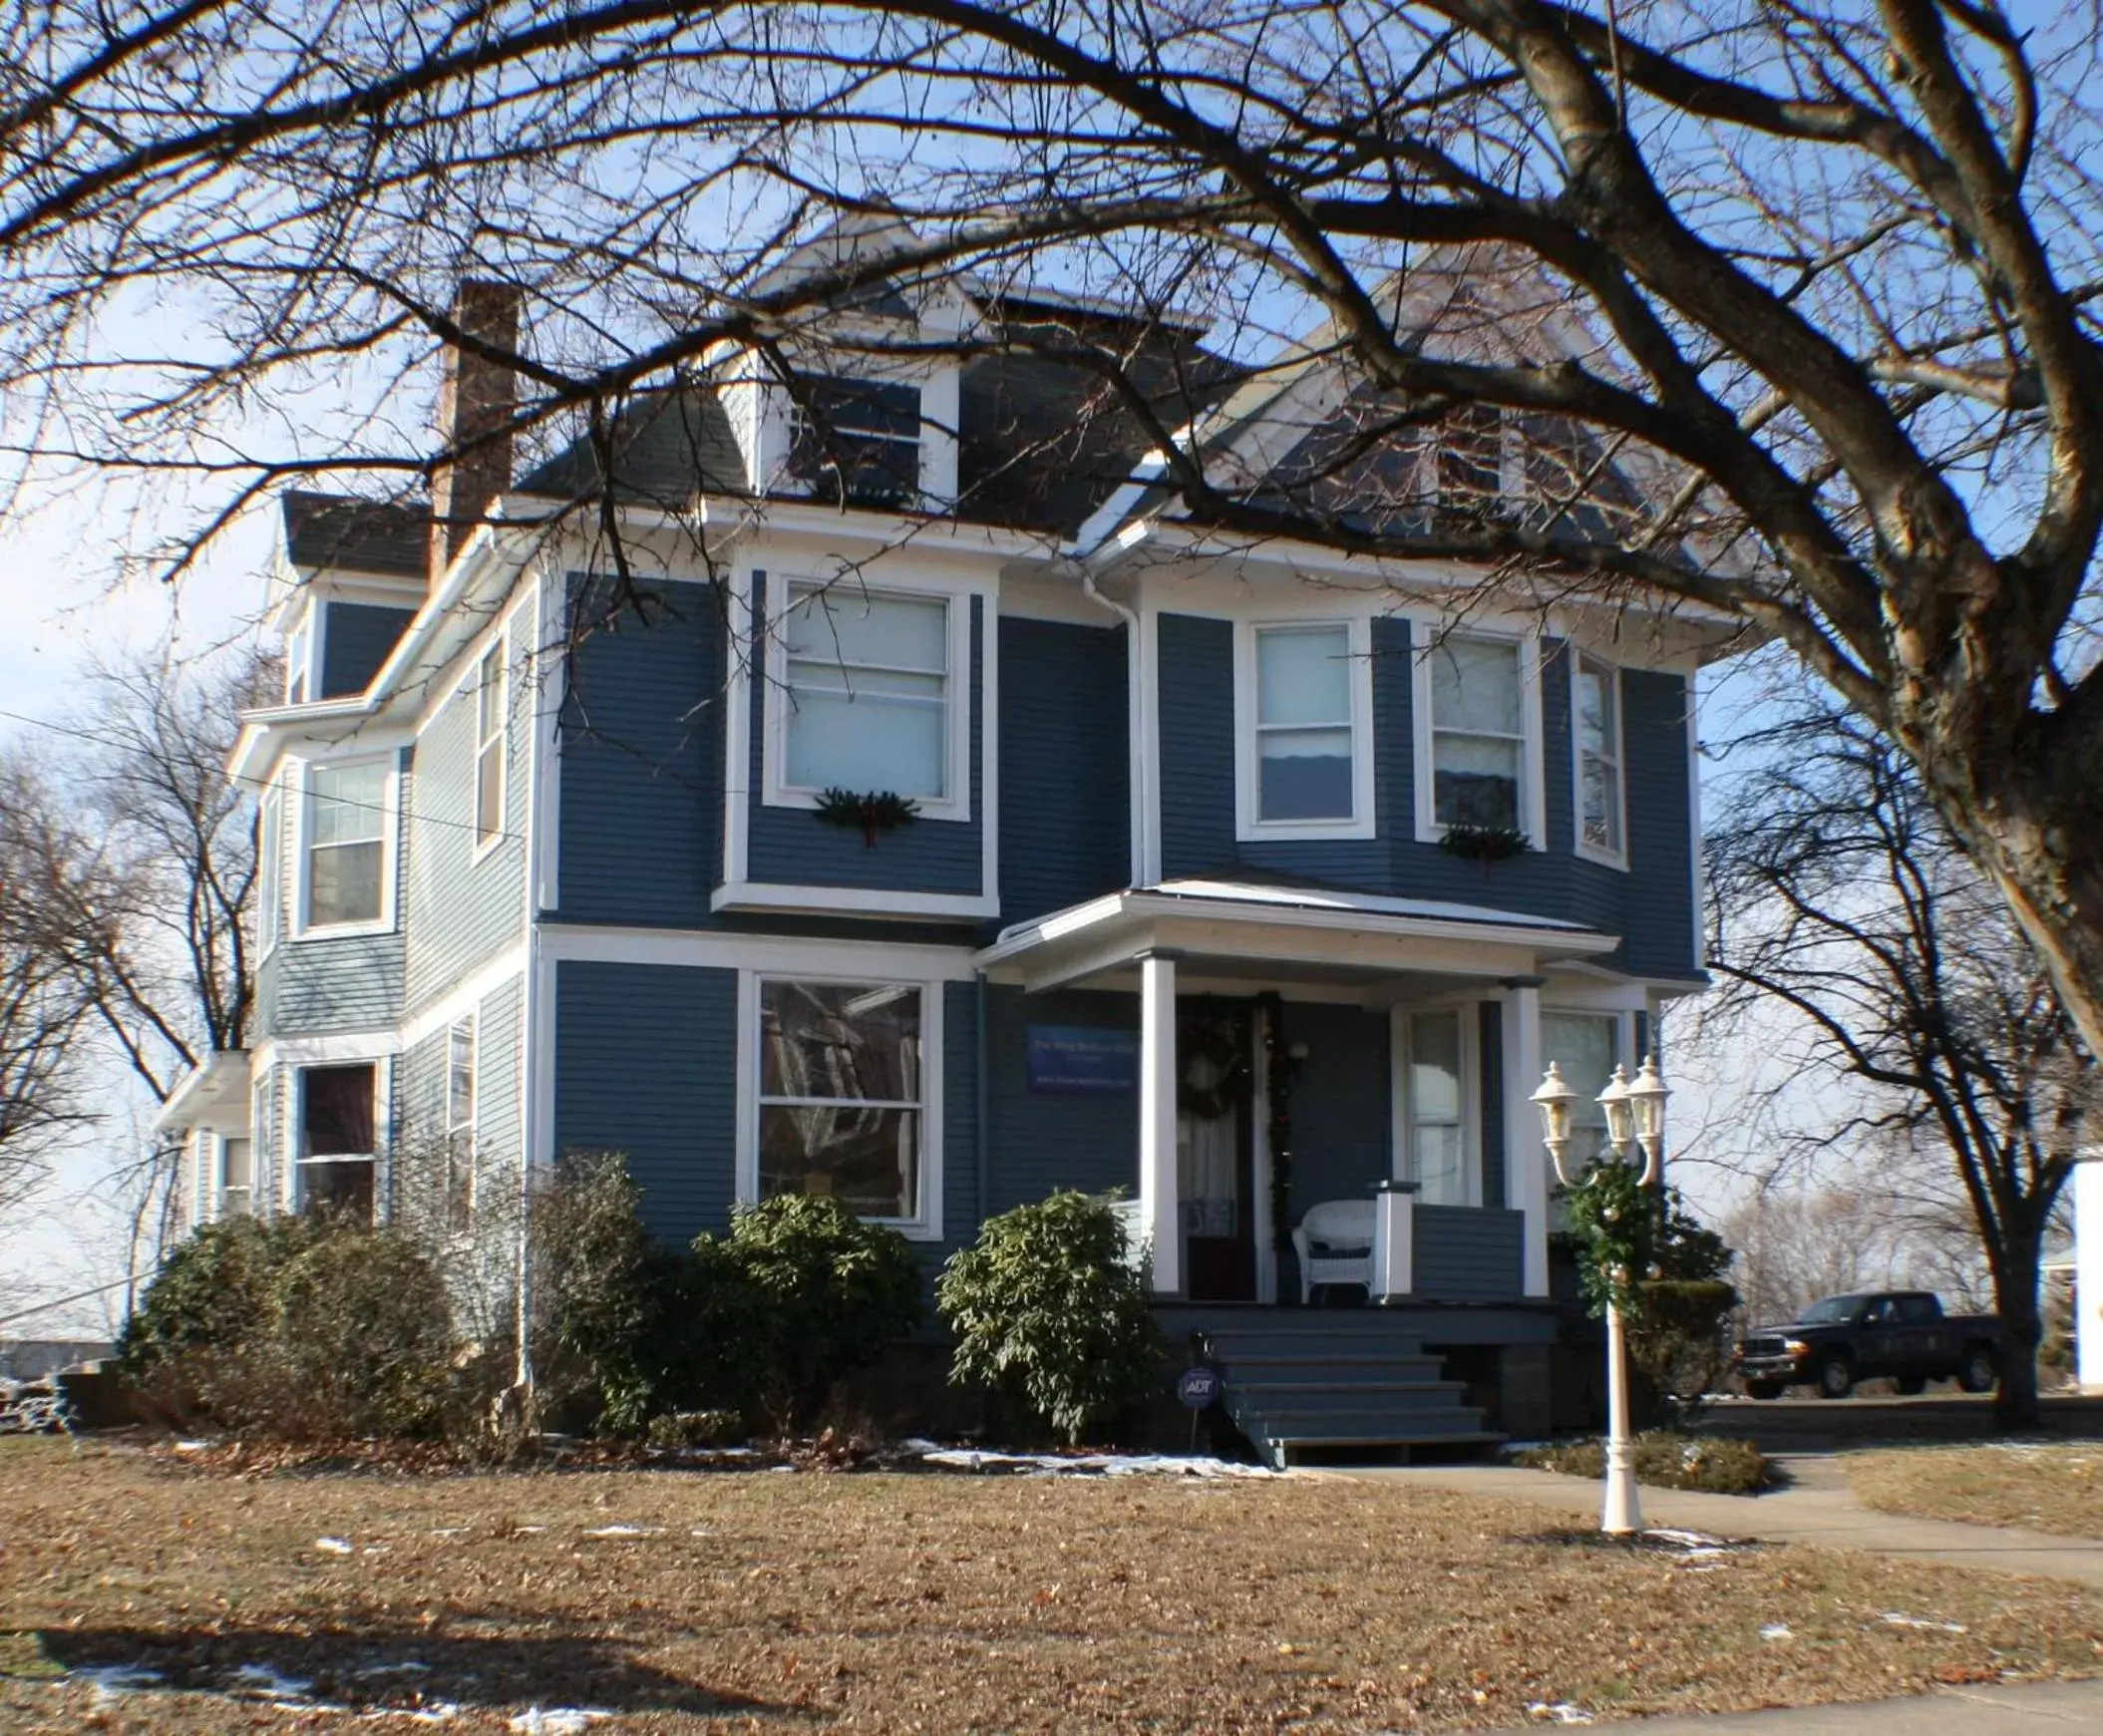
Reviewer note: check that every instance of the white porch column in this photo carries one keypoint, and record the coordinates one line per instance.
(2088, 1269)
(1161, 1210)
(1526, 1163)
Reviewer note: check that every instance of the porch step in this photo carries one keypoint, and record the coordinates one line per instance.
(1334, 1381)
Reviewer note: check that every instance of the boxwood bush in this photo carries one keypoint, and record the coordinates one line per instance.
(1047, 1308)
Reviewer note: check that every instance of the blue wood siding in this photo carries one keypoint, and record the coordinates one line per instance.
(641, 747)
(1194, 707)
(462, 905)
(1490, 1052)
(1065, 770)
(1650, 904)
(793, 846)
(355, 640)
(646, 1065)
(1462, 1253)
(1042, 1143)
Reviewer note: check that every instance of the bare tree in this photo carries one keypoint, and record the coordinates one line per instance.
(137, 868)
(1841, 896)
(1824, 273)
(44, 1096)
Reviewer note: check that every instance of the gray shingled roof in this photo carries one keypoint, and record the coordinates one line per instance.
(348, 535)
(668, 447)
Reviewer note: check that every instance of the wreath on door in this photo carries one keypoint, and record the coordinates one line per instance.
(1215, 1072)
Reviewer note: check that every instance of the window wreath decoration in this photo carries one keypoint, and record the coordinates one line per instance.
(1213, 1071)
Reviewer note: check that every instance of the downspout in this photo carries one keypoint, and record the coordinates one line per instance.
(981, 1107)
(541, 740)
(1136, 748)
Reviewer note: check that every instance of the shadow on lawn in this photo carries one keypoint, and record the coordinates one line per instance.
(378, 1668)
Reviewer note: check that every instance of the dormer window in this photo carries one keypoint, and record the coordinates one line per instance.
(857, 440)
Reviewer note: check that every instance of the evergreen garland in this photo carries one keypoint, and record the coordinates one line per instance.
(1279, 1071)
(1612, 1222)
(868, 811)
(1485, 843)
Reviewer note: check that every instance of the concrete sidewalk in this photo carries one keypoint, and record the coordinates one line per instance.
(1816, 1507)
(2033, 1709)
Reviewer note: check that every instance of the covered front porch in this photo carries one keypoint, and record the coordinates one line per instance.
(1320, 1096)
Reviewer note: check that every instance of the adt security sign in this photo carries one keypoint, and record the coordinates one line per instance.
(1197, 1387)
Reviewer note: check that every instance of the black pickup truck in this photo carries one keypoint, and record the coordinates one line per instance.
(1901, 1333)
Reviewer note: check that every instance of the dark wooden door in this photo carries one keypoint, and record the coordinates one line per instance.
(1215, 1152)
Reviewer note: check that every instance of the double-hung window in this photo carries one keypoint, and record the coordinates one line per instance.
(236, 1179)
(1436, 1093)
(269, 870)
(488, 746)
(338, 1150)
(346, 845)
(1585, 1047)
(1479, 745)
(1304, 700)
(457, 1203)
(868, 694)
(842, 1102)
(1601, 789)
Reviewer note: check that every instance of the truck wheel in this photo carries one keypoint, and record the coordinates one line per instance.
(1912, 1385)
(1835, 1376)
(1763, 1389)
(1980, 1370)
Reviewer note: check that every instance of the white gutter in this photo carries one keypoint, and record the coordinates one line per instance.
(1140, 761)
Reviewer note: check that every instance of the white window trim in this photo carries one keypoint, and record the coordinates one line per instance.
(777, 790)
(301, 784)
(217, 1146)
(499, 651)
(927, 1226)
(1471, 1092)
(1425, 636)
(1363, 821)
(303, 657)
(473, 1125)
(270, 869)
(293, 1106)
(1613, 859)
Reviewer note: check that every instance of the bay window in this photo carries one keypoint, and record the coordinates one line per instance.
(843, 1098)
(338, 1146)
(1479, 752)
(1600, 791)
(869, 695)
(1303, 703)
(345, 845)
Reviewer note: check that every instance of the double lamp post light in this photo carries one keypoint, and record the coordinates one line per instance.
(1636, 1115)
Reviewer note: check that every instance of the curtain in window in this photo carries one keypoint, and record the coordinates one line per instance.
(867, 706)
(1436, 1093)
(1478, 732)
(1303, 723)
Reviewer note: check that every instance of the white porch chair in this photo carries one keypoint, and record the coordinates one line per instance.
(1334, 1241)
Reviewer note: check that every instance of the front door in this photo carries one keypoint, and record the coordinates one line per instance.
(1216, 1153)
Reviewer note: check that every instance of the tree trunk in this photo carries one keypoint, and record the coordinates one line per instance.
(2016, 1277)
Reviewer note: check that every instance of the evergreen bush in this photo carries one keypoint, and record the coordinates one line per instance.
(1047, 1308)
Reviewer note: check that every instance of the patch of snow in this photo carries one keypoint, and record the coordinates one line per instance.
(1891, 1618)
(333, 1546)
(406, 1666)
(1558, 1712)
(1695, 1546)
(557, 1721)
(1776, 1630)
(437, 1712)
(192, 1446)
(113, 1681)
(620, 1530)
(1092, 1464)
(261, 1679)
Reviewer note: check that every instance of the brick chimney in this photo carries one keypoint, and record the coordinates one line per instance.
(477, 398)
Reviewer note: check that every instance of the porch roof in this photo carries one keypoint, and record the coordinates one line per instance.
(212, 1092)
(1303, 932)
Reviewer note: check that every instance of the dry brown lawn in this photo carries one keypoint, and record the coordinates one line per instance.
(689, 1602)
(2052, 1487)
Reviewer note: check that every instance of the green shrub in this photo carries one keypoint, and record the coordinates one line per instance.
(712, 1428)
(809, 1291)
(1665, 1460)
(1046, 1307)
(214, 1292)
(300, 1327)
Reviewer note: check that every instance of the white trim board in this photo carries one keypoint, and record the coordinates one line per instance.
(776, 955)
(852, 901)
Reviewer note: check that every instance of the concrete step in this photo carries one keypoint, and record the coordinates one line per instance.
(1268, 1394)
(1373, 1421)
(1339, 1366)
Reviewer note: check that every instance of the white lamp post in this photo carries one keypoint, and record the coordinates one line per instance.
(1636, 1115)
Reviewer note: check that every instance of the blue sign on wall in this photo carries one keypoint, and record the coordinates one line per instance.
(1082, 1061)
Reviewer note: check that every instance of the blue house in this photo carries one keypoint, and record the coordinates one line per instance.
(924, 805)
